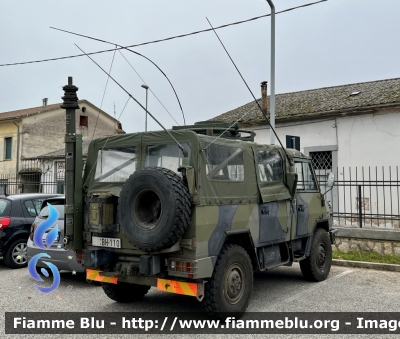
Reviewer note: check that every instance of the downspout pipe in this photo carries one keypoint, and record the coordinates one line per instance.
(272, 94)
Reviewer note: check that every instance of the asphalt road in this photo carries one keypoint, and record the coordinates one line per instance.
(282, 289)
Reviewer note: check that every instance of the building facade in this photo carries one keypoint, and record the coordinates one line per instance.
(28, 133)
(351, 130)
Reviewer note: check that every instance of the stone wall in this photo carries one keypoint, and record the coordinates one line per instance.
(368, 240)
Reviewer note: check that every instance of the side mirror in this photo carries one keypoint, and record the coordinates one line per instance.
(331, 180)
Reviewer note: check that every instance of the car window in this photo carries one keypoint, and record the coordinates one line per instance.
(4, 207)
(33, 206)
(30, 207)
(44, 213)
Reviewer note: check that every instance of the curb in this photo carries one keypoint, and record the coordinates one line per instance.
(369, 265)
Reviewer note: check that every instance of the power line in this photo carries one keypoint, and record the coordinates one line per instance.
(132, 51)
(161, 40)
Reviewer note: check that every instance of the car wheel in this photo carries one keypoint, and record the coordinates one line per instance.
(228, 291)
(15, 255)
(125, 293)
(317, 265)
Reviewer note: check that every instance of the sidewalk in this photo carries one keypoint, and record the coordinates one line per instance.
(369, 265)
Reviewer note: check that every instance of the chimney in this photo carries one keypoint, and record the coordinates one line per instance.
(264, 103)
(44, 102)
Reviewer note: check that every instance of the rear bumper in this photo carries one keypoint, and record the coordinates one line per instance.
(64, 260)
(193, 289)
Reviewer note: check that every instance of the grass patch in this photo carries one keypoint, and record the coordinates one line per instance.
(367, 256)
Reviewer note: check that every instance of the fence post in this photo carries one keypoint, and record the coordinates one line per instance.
(359, 206)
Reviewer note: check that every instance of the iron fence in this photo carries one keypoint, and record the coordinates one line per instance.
(363, 197)
(366, 196)
(28, 183)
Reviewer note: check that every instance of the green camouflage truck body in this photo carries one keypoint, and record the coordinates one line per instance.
(258, 211)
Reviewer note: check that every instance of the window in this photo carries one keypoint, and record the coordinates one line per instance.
(322, 160)
(224, 163)
(167, 156)
(60, 176)
(7, 148)
(60, 187)
(83, 121)
(306, 180)
(115, 164)
(293, 142)
(269, 166)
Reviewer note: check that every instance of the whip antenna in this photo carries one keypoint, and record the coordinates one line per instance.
(262, 111)
(183, 149)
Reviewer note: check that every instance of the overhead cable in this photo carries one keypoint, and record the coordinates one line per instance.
(161, 40)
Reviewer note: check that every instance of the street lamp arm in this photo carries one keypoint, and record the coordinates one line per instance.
(272, 93)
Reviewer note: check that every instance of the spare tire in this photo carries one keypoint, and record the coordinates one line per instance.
(154, 208)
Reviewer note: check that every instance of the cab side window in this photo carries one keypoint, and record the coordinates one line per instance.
(306, 179)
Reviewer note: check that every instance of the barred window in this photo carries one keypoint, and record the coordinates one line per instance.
(321, 160)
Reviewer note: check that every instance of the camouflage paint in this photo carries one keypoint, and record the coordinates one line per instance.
(220, 206)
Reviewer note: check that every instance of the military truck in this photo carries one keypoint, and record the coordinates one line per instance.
(195, 211)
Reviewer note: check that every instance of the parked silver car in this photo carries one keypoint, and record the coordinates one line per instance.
(63, 259)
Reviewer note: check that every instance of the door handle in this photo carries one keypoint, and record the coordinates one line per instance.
(300, 208)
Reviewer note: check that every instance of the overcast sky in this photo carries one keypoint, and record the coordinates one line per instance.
(332, 43)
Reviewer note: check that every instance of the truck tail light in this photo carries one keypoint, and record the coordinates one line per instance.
(189, 267)
(4, 222)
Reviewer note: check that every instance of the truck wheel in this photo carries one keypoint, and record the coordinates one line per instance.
(15, 255)
(316, 267)
(229, 289)
(154, 208)
(125, 293)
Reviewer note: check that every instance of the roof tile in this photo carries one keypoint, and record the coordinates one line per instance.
(321, 100)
